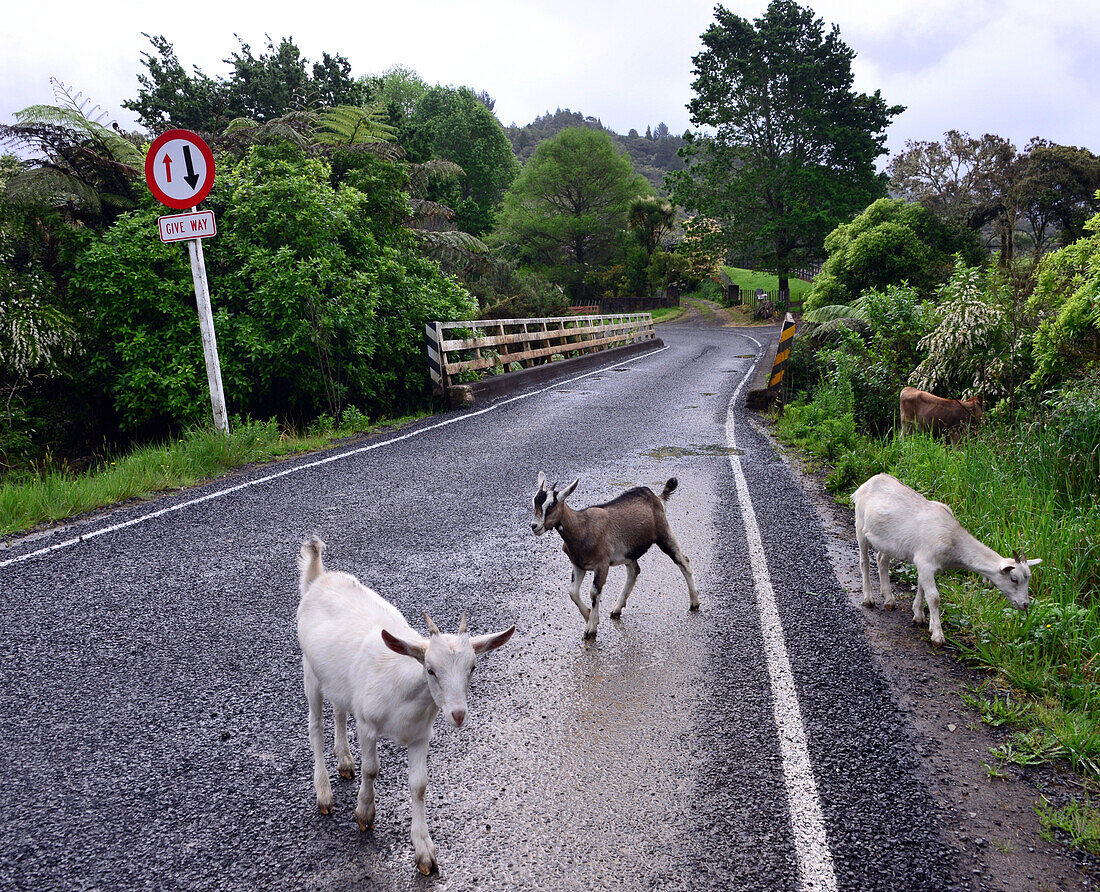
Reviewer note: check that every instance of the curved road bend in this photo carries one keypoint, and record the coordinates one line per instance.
(154, 731)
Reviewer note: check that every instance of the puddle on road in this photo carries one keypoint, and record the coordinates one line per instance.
(709, 393)
(747, 356)
(694, 449)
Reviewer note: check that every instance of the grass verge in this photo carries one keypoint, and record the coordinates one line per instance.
(37, 498)
(666, 314)
(747, 278)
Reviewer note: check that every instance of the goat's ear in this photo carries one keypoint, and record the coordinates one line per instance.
(405, 648)
(1034, 562)
(1008, 568)
(542, 480)
(568, 491)
(483, 643)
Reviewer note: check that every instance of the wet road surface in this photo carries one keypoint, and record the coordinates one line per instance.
(154, 731)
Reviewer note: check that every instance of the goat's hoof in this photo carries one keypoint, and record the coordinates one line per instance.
(365, 819)
(615, 614)
(694, 608)
(889, 605)
(325, 809)
(589, 635)
(426, 865)
(869, 603)
(347, 773)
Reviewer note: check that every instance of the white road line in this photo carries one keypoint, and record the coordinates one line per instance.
(114, 528)
(815, 861)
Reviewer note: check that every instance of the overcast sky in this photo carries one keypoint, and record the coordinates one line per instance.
(1017, 68)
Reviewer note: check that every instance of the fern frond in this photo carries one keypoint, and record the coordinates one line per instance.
(240, 124)
(830, 319)
(50, 186)
(430, 214)
(349, 125)
(454, 247)
(295, 127)
(65, 97)
(436, 169)
(836, 313)
(32, 334)
(73, 114)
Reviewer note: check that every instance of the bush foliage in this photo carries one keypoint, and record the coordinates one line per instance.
(319, 291)
(891, 242)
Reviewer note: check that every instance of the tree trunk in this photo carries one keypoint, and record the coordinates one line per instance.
(784, 289)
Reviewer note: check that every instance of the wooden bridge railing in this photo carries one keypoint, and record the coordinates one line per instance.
(463, 351)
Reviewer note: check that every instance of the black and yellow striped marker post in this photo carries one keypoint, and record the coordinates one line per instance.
(434, 332)
(783, 353)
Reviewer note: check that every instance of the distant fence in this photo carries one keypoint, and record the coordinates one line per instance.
(464, 351)
(668, 297)
(735, 296)
(809, 271)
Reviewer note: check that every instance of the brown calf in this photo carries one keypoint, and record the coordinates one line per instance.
(923, 411)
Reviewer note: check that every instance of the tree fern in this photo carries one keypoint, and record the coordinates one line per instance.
(74, 113)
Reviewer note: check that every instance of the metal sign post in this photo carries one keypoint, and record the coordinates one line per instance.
(179, 169)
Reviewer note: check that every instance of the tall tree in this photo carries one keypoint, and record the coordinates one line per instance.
(455, 125)
(564, 213)
(260, 88)
(651, 218)
(793, 146)
(1057, 185)
(964, 179)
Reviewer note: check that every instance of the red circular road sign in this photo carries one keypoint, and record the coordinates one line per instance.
(179, 169)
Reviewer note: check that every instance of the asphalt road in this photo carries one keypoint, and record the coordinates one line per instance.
(153, 727)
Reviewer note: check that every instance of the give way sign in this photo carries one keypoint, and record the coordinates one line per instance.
(179, 169)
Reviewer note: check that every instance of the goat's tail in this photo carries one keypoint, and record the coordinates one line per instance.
(670, 488)
(309, 563)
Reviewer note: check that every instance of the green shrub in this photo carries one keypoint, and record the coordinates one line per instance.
(891, 242)
(319, 299)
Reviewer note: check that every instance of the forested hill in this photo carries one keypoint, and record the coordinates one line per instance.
(653, 154)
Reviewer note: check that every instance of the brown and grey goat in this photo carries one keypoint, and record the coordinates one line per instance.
(604, 536)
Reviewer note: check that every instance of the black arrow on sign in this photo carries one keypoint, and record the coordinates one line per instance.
(192, 178)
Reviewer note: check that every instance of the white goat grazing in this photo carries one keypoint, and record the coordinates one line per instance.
(902, 524)
(356, 650)
(603, 536)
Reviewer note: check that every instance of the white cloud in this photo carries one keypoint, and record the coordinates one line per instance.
(1005, 66)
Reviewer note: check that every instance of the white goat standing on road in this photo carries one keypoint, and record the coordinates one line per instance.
(902, 524)
(603, 536)
(360, 654)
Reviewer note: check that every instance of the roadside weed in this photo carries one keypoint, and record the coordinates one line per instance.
(1077, 819)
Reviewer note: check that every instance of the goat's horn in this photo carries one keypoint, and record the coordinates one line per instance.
(462, 624)
(432, 627)
(1016, 555)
